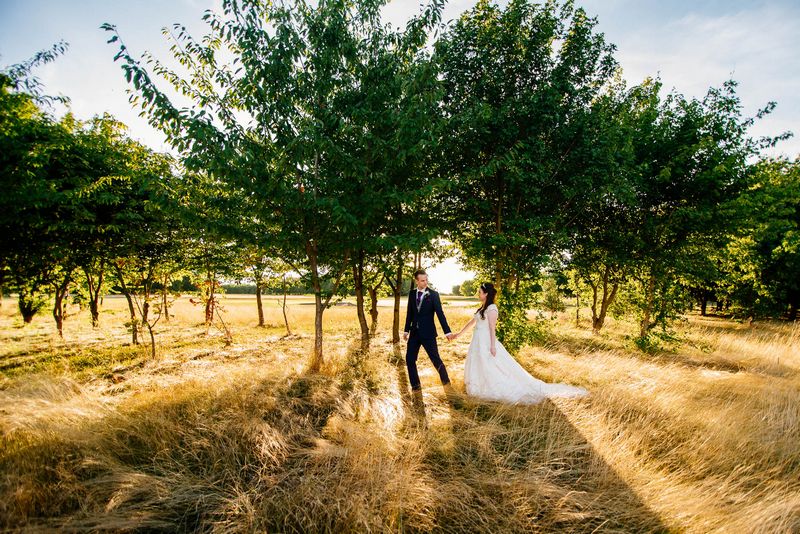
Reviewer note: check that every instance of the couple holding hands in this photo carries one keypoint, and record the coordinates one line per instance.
(490, 372)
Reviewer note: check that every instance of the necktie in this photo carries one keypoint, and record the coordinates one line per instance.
(419, 298)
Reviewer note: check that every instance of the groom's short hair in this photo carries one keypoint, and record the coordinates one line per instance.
(419, 272)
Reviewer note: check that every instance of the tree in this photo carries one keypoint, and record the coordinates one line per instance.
(691, 160)
(761, 263)
(62, 178)
(152, 239)
(270, 124)
(600, 252)
(469, 288)
(29, 137)
(518, 142)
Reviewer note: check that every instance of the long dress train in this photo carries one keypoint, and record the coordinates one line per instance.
(500, 377)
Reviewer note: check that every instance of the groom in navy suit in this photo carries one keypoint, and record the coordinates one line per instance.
(420, 330)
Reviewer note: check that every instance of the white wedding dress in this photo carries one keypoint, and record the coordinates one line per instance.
(501, 378)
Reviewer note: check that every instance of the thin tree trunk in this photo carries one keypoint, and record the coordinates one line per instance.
(259, 304)
(165, 299)
(58, 304)
(94, 293)
(606, 300)
(58, 314)
(358, 281)
(373, 310)
(703, 304)
(211, 279)
(134, 320)
(283, 307)
(131, 307)
(152, 341)
(648, 311)
(317, 356)
(146, 322)
(577, 301)
(498, 229)
(417, 266)
(397, 287)
(317, 359)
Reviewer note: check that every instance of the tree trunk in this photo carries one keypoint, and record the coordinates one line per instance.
(317, 358)
(134, 320)
(58, 303)
(417, 266)
(703, 304)
(210, 302)
(373, 310)
(146, 321)
(606, 300)
(793, 309)
(498, 229)
(648, 311)
(165, 299)
(259, 304)
(397, 288)
(358, 281)
(152, 341)
(94, 293)
(58, 314)
(131, 308)
(283, 307)
(577, 302)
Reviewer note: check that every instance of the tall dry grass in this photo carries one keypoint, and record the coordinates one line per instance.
(94, 435)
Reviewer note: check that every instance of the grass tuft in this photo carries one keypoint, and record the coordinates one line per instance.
(95, 435)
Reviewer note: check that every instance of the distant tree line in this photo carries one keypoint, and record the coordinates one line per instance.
(324, 143)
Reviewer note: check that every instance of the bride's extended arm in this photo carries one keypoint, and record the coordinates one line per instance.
(466, 326)
(491, 315)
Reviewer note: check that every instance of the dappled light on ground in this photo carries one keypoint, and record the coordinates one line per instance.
(96, 435)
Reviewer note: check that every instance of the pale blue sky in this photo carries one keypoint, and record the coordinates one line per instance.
(691, 44)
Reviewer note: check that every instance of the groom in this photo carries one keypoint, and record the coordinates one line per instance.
(420, 330)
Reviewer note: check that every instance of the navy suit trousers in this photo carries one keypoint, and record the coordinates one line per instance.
(412, 353)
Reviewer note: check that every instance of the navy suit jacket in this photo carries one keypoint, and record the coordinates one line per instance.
(422, 321)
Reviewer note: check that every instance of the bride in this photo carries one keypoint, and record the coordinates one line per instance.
(491, 373)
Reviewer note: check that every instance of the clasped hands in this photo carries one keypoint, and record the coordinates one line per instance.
(450, 336)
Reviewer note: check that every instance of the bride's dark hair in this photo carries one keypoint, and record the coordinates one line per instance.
(490, 291)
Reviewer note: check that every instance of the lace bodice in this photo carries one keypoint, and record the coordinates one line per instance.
(483, 324)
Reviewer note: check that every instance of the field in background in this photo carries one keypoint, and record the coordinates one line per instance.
(94, 434)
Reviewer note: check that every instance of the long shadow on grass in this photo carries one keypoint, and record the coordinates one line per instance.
(502, 468)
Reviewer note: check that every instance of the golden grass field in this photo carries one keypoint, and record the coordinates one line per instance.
(97, 436)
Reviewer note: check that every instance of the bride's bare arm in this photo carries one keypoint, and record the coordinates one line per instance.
(491, 316)
(466, 326)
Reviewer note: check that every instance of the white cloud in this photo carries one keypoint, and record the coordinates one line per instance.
(756, 46)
